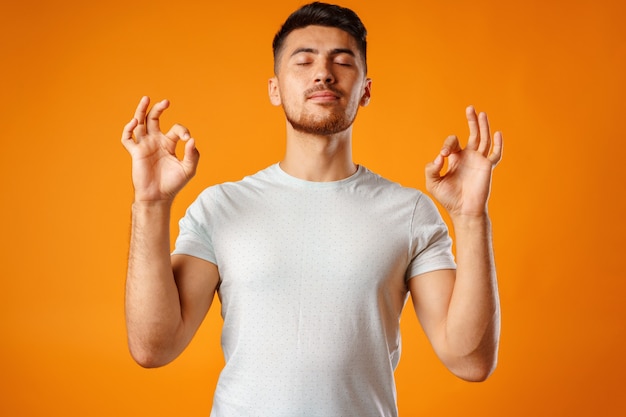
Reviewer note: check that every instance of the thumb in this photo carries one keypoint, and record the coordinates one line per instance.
(191, 156)
(433, 170)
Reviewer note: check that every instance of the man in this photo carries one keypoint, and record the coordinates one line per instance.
(314, 257)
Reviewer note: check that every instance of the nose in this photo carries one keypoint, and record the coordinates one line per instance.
(324, 73)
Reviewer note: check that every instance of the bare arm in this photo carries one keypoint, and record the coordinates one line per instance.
(166, 297)
(460, 310)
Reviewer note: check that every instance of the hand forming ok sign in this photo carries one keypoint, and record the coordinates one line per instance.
(158, 175)
(464, 188)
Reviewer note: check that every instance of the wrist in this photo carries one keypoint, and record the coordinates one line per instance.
(473, 221)
(151, 206)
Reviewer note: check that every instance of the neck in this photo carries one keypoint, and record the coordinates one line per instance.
(318, 158)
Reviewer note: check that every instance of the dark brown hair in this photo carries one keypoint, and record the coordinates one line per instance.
(322, 14)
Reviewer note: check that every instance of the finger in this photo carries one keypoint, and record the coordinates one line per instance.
(433, 171)
(485, 135)
(127, 134)
(474, 131)
(450, 145)
(140, 115)
(191, 157)
(177, 132)
(152, 119)
(498, 147)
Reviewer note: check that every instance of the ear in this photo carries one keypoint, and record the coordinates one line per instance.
(367, 92)
(273, 91)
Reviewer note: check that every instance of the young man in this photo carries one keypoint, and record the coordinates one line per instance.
(313, 257)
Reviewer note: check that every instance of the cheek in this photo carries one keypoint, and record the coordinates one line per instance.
(357, 97)
(289, 91)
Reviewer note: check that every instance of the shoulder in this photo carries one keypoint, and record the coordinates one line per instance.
(259, 179)
(376, 183)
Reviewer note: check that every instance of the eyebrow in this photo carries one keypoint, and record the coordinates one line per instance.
(335, 51)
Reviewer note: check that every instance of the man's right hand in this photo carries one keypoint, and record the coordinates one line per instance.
(158, 175)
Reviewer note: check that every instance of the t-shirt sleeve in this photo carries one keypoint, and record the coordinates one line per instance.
(195, 229)
(431, 244)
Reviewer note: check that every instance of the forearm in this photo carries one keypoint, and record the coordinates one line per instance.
(153, 312)
(473, 321)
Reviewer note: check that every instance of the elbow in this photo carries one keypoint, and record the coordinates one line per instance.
(475, 369)
(476, 364)
(147, 361)
(477, 372)
(148, 357)
(153, 348)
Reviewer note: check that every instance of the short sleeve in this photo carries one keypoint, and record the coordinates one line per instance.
(431, 244)
(195, 229)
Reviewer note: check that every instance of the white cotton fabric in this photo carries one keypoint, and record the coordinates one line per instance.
(312, 283)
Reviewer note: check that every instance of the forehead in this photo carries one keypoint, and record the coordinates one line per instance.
(321, 38)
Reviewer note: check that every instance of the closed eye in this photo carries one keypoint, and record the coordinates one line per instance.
(344, 60)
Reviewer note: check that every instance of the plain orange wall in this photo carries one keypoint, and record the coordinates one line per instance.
(550, 75)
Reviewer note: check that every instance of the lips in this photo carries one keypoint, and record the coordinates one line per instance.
(322, 95)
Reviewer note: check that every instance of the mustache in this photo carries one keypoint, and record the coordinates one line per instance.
(319, 88)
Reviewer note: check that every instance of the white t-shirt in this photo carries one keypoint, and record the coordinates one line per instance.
(312, 283)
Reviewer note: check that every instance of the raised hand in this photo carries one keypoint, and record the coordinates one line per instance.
(158, 175)
(463, 190)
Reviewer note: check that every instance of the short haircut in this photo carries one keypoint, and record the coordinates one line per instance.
(322, 14)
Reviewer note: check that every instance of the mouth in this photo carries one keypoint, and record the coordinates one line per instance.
(323, 96)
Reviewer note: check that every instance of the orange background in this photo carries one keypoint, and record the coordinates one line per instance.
(550, 74)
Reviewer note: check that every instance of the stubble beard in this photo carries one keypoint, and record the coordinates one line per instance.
(320, 125)
(335, 120)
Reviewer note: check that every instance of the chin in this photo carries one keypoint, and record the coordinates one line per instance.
(329, 125)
